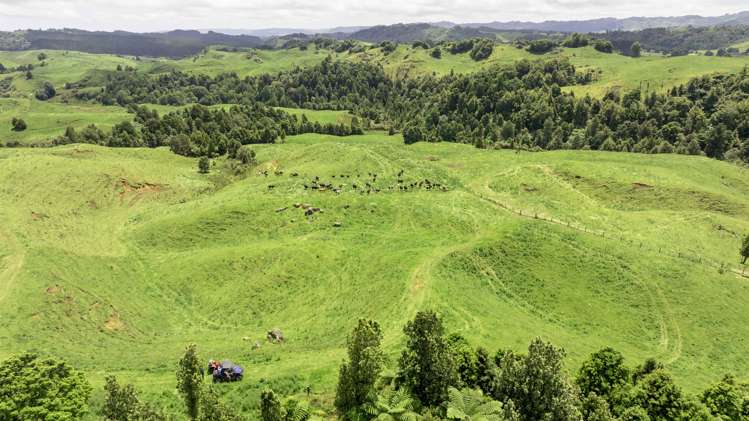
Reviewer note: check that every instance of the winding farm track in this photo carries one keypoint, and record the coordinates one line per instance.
(12, 264)
(669, 333)
(670, 340)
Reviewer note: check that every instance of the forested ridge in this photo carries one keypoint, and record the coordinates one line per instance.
(523, 105)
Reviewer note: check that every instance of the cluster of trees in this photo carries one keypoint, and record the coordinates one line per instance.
(522, 106)
(575, 40)
(443, 377)
(336, 85)
(679, 41)
(203, 131)
(20, 68)
(541, 46)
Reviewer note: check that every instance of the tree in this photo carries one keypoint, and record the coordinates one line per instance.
(29, 75)
(487, 374)
(636, 49)
(357, 376)
(426, 367)
(390, 405)
(180, 144)
(189, 381)
(204, 165)
(602, 373)
(436, 53)
(41, 56)
(121, 403)
(541, 46)
(634, 413)
(35, 388)
(650, 365)
(723, 399)
(270, 407)
(47, 91)
(472, 405)
(659, 396)
(464, 358)
(246, 155)
(719, 140)
(576, 40)
(745, 250)
(537, 385)
(18, 124)
(412, 134)
(603, 46)
(595, 408)
(212, 409)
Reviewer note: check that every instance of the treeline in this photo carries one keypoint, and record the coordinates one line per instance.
(442, 376)
(437, 377)
(203, 131)
(679, 41)
(336, 85)
(521, 105)
(168, 44)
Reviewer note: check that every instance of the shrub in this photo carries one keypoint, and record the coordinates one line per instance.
(204, 165)
(18, 124)
(47, 91)
(603, 46)
(482, 49)
(246, 155)
(35, 388)
(541, 46)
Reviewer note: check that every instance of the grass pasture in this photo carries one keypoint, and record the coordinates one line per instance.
(116, 258)
(48, 120)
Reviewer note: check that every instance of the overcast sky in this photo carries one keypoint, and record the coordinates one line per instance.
(158, 15)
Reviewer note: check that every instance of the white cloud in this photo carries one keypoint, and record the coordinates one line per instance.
(154, 15)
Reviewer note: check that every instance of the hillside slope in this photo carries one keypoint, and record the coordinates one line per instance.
(115, 259)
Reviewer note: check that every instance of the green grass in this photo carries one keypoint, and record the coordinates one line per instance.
(116, 258)
(322, 116)
(47, 120)
(649, 72)
(742, 46)
(254, 62)
(406, 61)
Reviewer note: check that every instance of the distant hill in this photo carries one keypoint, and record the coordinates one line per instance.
(169, 44)
(280, 32)
(614, 24)
(413, 31)
(419, 31)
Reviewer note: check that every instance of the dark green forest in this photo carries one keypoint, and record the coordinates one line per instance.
(520, 106)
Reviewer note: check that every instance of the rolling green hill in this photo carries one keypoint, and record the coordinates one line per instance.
(49, 119)
(116, 258)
